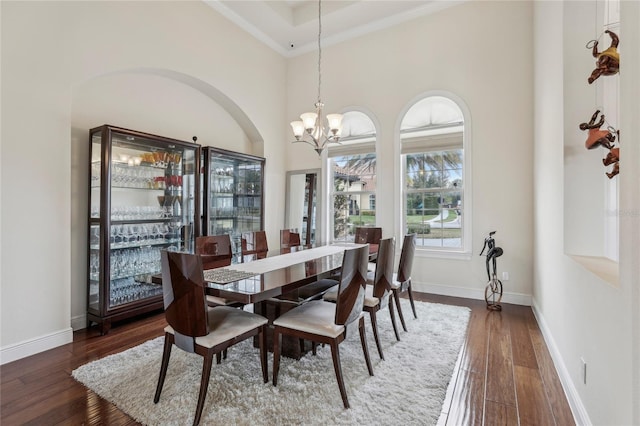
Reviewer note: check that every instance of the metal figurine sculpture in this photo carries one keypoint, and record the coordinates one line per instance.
(603, 138)
(608, 62)
(493, 291)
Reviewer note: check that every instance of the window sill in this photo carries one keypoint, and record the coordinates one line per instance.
(437, 254)
(603, 267)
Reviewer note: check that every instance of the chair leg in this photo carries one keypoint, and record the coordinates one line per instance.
(263, 353)
(413, 306)
(365, 349)
(374, 325)
(335, 353)
(396, 296)
(204, 385)
(277, 342)
(218, 358)
(166, 354)
(392, 314)
(314, 347)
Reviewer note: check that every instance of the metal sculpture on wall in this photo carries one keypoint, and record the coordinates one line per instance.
(608, 62)
(493, 291)
(603, 138)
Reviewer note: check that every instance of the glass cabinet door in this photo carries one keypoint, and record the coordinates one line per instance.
(233, 194)
(142, 201)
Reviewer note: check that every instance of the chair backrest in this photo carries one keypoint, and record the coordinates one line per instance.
(289, 238)
(406, 258)
(353, 282)
(367, 234)
(254, 242)
(185, 304)
(383, 276)
(214, 250)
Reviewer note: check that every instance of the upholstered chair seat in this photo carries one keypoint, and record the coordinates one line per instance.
(224, 324)
(315, 317)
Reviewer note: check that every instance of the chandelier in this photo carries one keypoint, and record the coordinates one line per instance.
(312, 129)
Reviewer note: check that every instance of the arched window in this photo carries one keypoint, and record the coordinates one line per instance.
(352, 168)
(434, 175)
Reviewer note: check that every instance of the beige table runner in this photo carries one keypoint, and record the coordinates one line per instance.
(261, 266)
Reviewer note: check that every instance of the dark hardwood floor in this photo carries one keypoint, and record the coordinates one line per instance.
(505, 375)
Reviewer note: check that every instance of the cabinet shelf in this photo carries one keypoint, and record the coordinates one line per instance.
(123, 274)
(138, 244)
(143, 221)
(96, 220)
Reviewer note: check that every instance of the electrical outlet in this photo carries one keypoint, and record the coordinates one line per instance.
(505, 276)
(584, 371)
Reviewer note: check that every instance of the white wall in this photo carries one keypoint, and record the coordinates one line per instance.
(68, 66)
(581, 315)
(479, 51)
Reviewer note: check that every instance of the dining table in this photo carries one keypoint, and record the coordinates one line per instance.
(260, 277)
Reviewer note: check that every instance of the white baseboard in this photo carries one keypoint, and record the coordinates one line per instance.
(39, 344)
(577, 407)
(79, 322)
(470, 293)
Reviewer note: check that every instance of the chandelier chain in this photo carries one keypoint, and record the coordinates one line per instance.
(319, 49)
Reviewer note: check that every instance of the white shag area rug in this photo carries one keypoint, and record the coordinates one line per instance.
(409, 387)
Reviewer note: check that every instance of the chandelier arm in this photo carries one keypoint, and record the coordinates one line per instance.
(314, 144)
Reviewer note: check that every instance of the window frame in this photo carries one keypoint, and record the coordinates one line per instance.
(432, 143)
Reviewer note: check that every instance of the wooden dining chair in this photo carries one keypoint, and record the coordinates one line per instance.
(325, 322)
(368, 235)
(215, 252)
(254, 243)
(378, 293)
(402, 280)
(289, 238)
(196, 328)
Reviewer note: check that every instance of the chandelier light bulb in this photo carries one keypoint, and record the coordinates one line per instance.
(309, 120)
(298, 129)
(335, 122)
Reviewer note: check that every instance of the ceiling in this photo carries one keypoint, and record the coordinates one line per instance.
(291, 27)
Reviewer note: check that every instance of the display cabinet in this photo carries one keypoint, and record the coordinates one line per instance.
(142, 199)
(233, 188)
